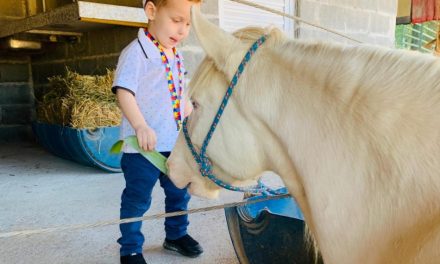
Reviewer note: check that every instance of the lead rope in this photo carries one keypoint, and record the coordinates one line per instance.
(136, 219)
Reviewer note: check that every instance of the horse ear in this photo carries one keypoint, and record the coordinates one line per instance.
(218, 44)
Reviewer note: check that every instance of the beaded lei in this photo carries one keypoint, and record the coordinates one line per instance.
(175, 93)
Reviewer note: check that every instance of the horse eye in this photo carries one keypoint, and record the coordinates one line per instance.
(195, 105)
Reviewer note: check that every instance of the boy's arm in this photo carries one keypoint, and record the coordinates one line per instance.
(145, 134)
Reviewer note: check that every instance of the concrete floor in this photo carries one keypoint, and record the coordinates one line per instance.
(39, 190)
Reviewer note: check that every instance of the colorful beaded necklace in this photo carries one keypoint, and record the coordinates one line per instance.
(176, 94)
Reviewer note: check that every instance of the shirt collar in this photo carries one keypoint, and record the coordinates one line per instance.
(149, 47)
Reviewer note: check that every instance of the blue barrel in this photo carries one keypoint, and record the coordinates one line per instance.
(269, 232)
(90, 147)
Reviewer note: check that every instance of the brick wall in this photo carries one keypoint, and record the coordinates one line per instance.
(95, 52)
(16, 98)
(371, 21)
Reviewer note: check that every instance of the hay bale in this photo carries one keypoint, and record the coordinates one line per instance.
(79, 101)
(92, 114)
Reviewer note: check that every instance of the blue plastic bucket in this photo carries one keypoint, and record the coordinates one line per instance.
(90, 147)
(269, 232)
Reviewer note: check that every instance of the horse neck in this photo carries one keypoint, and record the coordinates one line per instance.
(301, 96)
(306, 126)
(317, 146)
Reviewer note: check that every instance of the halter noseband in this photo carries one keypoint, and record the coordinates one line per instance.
(205, 165)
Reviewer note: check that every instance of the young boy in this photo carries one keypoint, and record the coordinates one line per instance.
(148, 83)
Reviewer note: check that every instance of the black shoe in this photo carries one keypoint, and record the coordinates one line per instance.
(185, 245)
(133, 259)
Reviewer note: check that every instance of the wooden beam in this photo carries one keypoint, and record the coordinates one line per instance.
(78, 17)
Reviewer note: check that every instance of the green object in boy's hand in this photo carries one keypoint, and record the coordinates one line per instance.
(157, 159)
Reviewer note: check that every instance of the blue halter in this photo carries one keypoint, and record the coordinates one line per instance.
(205, 165)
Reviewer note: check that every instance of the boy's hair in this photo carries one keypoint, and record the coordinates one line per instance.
(159, 3)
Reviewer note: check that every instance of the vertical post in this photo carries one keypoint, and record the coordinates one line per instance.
(33, 7)
(296, 24)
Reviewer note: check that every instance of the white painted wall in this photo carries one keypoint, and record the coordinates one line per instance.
(234, 15)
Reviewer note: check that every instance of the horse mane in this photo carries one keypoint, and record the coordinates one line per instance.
(390, 70)
(377, 90)
(372, 65)
(375, 71)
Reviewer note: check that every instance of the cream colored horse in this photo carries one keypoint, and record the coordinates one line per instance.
(354, 132)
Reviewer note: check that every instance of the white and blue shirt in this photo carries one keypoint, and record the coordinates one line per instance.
(141, 71)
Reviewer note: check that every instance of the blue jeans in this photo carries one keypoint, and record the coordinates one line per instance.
(140, 177)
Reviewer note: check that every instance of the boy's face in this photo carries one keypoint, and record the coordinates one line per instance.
(169, 23)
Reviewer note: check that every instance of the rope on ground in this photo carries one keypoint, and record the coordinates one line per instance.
(136, 219)
(274, 11)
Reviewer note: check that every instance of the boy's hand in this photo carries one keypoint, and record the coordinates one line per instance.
(146, 138)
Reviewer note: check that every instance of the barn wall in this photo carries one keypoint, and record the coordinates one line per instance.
(371, 21)
(16, 97)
